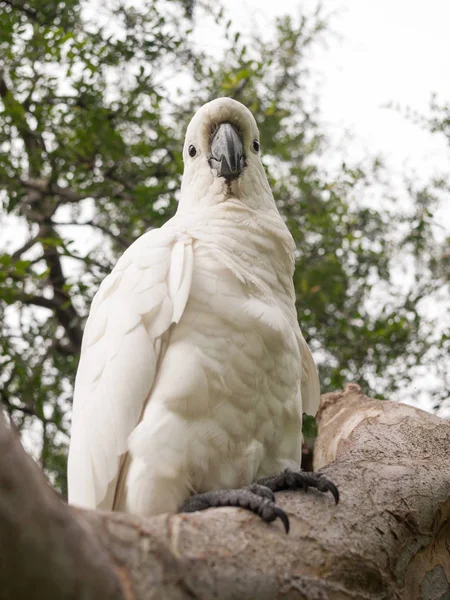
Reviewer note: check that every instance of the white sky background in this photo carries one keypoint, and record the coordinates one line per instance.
(379, 52)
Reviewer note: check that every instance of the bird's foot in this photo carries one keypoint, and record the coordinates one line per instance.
(256, 497)
(299, 480)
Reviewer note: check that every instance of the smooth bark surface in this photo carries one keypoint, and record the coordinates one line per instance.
(389, 537)
(45, 552)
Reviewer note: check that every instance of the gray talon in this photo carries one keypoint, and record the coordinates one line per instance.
(300, 480)
(256, 498)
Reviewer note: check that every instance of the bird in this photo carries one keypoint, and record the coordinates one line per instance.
(194, 374)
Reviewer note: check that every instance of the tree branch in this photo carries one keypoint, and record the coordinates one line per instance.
(49, 303)
(118, 237)
(26, 410)
(387, 538)
(46, 188)
(44, 551)
(87, 260)
(64, 309)
(63, 195)
(65, 314)
(61, 303)
(122, 240)
(28, 244)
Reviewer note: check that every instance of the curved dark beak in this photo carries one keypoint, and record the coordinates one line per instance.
(227, 152)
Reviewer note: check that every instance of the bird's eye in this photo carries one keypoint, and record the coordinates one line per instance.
(256, 146)
(192, 151)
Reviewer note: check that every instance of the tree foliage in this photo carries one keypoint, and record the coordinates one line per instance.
(91, 132)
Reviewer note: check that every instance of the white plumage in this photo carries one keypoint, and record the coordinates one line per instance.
(193, 372)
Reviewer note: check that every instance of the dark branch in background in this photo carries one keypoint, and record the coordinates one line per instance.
(5, 397)
(26, 408)
(28, 299)
(118, 237)
(88, 261)
(65, 195)
(47, 188)
(60, 348)
(61, 303)
(29, 244)
(64, 309)
(239, 88)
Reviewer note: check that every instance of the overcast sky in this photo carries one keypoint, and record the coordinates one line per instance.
(381, 51)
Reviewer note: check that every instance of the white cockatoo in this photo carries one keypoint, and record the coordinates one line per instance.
(193, 372)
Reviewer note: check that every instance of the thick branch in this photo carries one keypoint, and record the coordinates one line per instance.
(64, 309)
(47, 188)
(387, 538)
(45, 552)
(49, 303)
(61, 303)
(59, 195)
(64, 312)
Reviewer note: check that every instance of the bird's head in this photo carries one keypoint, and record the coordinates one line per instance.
(222, 158)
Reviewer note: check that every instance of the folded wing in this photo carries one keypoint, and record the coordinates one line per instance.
(130, 318)
(310, 380)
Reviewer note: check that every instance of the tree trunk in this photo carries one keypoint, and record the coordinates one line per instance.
(389, 537)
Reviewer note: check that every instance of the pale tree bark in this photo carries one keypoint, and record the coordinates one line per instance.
(389, 537)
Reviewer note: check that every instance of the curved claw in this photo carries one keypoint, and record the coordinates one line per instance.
(325, 485)
(283, 518)
(330, 487)
(300, 480)
(271, 511)
(256, 498)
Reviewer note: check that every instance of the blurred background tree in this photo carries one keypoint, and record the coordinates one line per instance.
(91, 130)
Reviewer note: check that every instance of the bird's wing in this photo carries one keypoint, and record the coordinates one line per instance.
(310, 380)
(135, 306)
